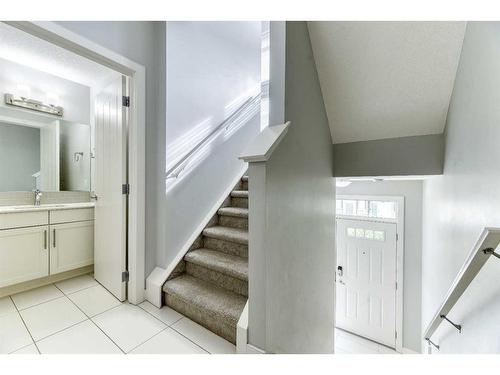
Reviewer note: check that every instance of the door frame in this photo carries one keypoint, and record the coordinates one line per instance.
(64, 38)
(400, 241)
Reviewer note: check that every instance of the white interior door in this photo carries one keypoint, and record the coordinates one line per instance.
(366, 279)
(111, 205)
(49, 157)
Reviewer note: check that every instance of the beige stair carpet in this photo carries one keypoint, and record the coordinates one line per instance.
(211, 283)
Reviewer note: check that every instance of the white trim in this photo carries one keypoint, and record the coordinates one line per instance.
(159, 276)
(261, 148)
(251, 349)
(242, 332)
(400, 230)
(79, 45)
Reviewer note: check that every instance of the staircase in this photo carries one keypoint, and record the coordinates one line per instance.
(210, 285)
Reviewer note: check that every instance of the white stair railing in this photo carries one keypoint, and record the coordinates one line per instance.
(481, 252)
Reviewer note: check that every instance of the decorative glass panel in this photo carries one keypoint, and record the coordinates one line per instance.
(360, 232)
(379, 235)
(368, 234)
(351, 232)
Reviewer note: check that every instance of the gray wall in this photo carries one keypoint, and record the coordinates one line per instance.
(19, 157)
(300, 199)
(412, 292)
(74, 176)
(459, 204)
(405, 156)
(211, 67)
(143, 42)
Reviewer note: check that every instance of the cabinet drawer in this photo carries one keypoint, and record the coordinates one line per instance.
(72, 215)
(23, 219)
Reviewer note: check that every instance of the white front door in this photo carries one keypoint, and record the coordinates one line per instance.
(366, 279)
(111, 205)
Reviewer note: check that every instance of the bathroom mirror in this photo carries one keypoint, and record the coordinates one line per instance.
(46, 153)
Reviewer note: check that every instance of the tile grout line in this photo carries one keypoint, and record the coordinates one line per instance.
(168, 325)
(171, 326)
(90, 319)
(27, 329)
(180, 333)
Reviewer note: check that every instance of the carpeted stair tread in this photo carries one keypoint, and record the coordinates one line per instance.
(233, 211)
(217, 302)
(227, 234)
(227, 264)
(239, 193)
(244, 178)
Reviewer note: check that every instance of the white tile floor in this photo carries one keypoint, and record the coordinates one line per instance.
(348, 343)
(79, 316)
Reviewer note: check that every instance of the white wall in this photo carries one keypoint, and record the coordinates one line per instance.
(212, 67)
(466, 198)
(143, 42)
(412, 192)
(73, 97)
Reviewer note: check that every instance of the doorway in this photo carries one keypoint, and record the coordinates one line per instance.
(369, 267)
(128, 269)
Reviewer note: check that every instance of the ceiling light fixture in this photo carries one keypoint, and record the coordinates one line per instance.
(342, 183)
(34, 105)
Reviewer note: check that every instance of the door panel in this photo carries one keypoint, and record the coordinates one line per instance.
(24, 254)
(71, 246)
(366, 283)
(110, 209)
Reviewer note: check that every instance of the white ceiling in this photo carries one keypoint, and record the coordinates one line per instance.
(386, 79)
(25, 49)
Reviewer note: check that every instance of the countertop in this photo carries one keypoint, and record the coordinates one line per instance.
(45, 207)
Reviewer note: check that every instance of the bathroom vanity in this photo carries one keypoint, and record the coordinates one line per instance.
(42, 244)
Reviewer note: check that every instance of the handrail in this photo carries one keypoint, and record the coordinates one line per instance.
(248, 105)
(479, 255)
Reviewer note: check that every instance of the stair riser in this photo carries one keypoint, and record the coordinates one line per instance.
(226, 247)
(239, 202)
(244, 185)
(233, 222)
(224, 281)
(214, 324)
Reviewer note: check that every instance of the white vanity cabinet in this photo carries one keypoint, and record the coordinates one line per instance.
(24, 254)
(42, 242)
(71, 246)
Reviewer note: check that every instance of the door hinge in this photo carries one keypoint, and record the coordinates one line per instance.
(126, 189)
(126, 101)
(396, 335)
(397, 237)
(396, 285)
(125, 277)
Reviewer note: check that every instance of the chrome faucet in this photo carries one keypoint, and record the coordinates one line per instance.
(38, 196)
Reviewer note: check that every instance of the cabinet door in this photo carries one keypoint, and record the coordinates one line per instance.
(71, 246)
(24, 254)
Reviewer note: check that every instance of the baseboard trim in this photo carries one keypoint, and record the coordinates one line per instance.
(156, 279)
(251, 349)
(409, 351)
(37, 283)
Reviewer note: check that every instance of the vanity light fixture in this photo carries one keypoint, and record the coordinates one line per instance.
(35, 105)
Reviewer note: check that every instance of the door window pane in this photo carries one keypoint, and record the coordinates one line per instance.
(379, 235)
(366, 208)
